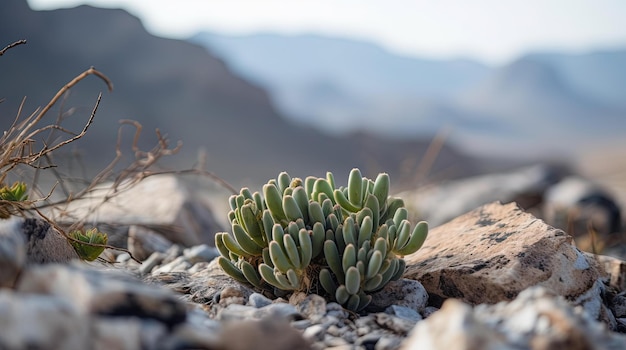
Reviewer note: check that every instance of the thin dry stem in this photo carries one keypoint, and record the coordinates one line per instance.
(12, 45)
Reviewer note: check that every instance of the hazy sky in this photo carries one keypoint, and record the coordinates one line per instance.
(494, 31)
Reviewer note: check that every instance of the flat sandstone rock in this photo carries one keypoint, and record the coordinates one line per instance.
(493, 253)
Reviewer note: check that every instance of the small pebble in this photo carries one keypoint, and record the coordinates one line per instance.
(123, 257)
(312, 307)
(200, 253)
(393, 323)
(331, 341)
(388, 343)
(301, 324)
(236, 312)
(197, 267)
(315, 333)
(333, 330)
(281, 310)
(153, 260)
(368, 341)
(258, 300)
(429, 310)
(404, 312)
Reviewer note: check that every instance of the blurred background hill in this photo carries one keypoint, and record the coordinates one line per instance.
(256, 104)
(559, 103)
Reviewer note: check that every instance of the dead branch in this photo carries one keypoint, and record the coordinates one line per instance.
(59, 94)
(12, 45)
(79, 135)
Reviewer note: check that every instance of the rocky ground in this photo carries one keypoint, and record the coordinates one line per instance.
(493, 277)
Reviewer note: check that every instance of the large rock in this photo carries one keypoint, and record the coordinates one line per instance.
(176, 207)
(44, 243)
(588, 212)
(493, 253)
(442, 202)
(27, 242)
(75, 306)
(41, 322)
(12, 251)
(536, 319)
(103, 292)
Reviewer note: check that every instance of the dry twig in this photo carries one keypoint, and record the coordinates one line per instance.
(12, 45)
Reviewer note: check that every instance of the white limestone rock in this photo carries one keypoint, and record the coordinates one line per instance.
(536, 319)
(493, 253)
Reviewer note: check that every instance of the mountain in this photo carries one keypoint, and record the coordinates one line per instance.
(600, 75)
(551, 104)
(315, 79)
(357, 66)
(183, 90)
(535, 98)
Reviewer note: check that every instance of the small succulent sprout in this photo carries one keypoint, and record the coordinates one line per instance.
(349, 240)
(16, 193)
(84, 243)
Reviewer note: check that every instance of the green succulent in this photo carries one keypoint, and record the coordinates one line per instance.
(86, 251)
(344, 243)
(16, 193)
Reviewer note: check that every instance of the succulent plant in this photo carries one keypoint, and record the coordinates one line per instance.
(343, 243)
(16, 193)
(83, 240)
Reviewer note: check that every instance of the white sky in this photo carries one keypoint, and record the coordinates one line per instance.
(494, 31)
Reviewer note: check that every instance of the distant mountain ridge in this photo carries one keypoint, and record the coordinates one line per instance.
(599, 74)
(272, 55)
(553, 103)
(187, 93)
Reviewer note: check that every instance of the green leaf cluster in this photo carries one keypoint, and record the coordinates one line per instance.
(84, 240)
(17, 194)
(343, 243)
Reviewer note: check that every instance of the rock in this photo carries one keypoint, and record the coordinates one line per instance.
(314, 333)
(45, 244)
(85, 307)
(404, 312)
(127, 333)
(443, 202)
(404, 292)
(454, 327)
(493, 253)
(258, 300)
(201, 287)
(593, 302)
(261, 335)
(619, 305)
(152, 261)
(40, 243)
(180, 264)
(578, 205)
(41, 322)
(312, 307)
(171, 205)
(200, 253)
(274, 311)
(613, 269)
(103, 292)
(236, 312)
(396, 324)
(536, 319)
(142, 242)
(12, 251)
